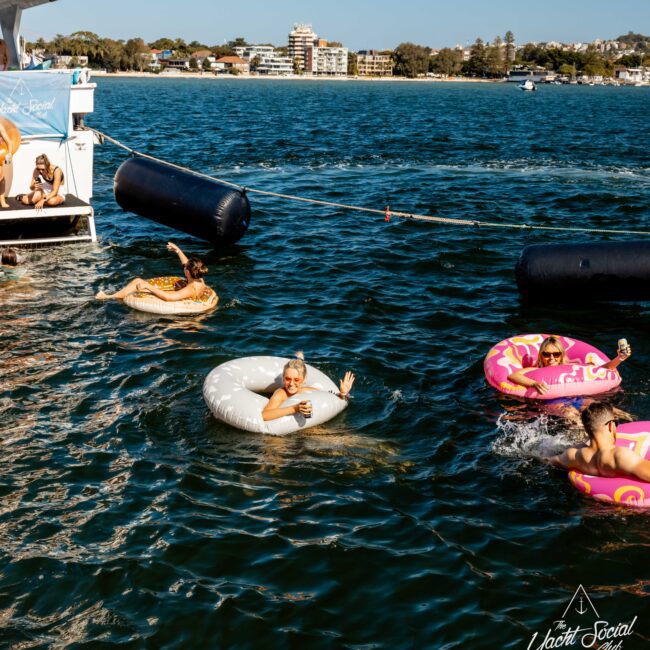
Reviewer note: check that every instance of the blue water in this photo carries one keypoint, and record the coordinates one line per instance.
(417, 518)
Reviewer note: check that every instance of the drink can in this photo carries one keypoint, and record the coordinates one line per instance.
(309, 413)
(623, 346)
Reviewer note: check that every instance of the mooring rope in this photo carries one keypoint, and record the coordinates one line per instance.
(387, 212)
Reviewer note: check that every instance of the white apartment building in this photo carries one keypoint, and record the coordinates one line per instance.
(327, 61)
(300, 40)
(270, 62)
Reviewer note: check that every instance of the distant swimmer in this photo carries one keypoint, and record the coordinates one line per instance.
(194, 270)
(601, 457)
(552, 353)
(293, 376)
(9, 262)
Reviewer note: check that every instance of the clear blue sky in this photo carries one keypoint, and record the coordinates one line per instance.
(358, 24)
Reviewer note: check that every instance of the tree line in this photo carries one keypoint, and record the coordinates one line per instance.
(490, 60)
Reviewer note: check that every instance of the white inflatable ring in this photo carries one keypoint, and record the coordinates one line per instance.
(143, 301)
(232, 389)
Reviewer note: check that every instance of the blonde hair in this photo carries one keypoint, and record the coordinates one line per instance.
(551, 340)
(43, 160)
(297, 363)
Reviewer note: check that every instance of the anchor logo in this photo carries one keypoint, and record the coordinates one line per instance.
(581, 596)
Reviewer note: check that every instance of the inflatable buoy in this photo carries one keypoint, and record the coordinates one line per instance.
(585, 272)
(624, 491)
(182, 200)
(144, 301)
(14, 139)
(232, 389)
(582, 377)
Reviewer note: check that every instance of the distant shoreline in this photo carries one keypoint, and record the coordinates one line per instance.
(302, 78)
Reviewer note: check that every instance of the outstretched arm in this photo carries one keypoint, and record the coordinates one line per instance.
(521, 377)
(345, 385)
(175, 249)
(620, 356)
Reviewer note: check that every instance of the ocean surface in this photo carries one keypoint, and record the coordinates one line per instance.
(418, 518)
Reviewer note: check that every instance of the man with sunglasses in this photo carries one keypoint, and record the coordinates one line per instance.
(602, 457)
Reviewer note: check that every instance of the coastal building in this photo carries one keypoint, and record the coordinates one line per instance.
(175, 64)
(372, 64)
(327, 61)
(301, 38)
(200, 56)
(265, 60)
(67, 61)
(233, 64)
(633, 76)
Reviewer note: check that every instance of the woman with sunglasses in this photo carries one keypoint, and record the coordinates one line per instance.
(193, 269)
(552, 353)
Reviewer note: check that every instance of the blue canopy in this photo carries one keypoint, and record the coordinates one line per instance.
(38, 103)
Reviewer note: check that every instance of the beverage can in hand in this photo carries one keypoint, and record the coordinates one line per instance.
(309, 411)
(623, 347)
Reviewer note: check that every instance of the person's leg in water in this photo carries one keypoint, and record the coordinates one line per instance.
(130, 288)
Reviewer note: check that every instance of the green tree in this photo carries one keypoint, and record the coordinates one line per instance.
(353, 67)
(207, 66)
(567, 70)
(136, 52)
(477, 66)
(448, 62)
(494, 58)
(194, 64)
(255, 62)
(511, 50)
(240, 41)
(162, 44)
(411, 60)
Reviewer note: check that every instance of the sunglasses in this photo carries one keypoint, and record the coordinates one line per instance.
(555, 355)
(615, 421)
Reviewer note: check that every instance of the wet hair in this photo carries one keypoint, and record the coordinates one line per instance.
(9, 257)
(43, 160)
(196, 268)
(297, 363)
(551, 340)
(595, 416)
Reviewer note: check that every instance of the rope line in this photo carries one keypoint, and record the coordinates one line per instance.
(387, 212)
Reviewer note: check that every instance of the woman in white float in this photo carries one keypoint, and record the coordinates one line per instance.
(293, 377)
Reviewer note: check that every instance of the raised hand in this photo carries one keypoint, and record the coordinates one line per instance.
(172, 247)
(346, 383)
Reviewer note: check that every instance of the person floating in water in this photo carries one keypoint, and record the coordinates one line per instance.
(601, 457)
(194, 270)
(552, 353)
(293, 376)
(9, 262)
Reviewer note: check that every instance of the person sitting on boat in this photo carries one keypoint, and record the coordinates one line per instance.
(601, 457)
(293, 376)
(194, 270)
(46, 183)
(552, 353)
(6, 146)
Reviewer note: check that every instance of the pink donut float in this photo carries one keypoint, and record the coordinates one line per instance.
(582, 376)
(626, 491)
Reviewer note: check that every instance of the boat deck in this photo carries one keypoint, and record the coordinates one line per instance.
(24, 225)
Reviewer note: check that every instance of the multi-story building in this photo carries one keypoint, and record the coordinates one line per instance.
(327, 61)
(372, 64)
(265, 59)
(300, 40)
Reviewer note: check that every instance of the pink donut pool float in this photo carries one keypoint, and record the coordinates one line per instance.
(582, 376)
(624, 491)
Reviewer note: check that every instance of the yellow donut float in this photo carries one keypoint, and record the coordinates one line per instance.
(143, 301)
(14, 139)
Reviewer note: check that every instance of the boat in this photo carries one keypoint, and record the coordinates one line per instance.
(528, 84)
(48, 107)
